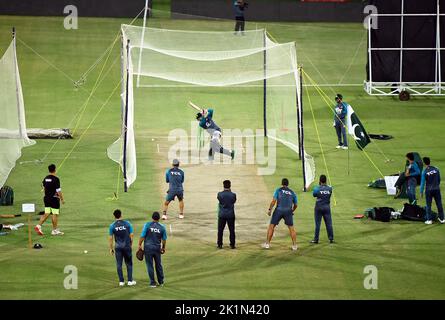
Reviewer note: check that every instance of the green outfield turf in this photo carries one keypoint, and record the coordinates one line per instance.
(409, 256)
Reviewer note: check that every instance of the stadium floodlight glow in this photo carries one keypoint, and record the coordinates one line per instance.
(213, 59)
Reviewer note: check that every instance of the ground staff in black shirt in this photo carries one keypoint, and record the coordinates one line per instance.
(52, 198)
(226, 214)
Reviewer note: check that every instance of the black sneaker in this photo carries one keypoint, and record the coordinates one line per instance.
(219, 247)
(314, 241)
(232, 247)
(331, 241)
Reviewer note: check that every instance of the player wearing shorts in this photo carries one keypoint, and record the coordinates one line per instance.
(286, 203)
(175, 178)
(52, 198)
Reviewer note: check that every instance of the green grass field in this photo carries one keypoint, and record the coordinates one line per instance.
(409, 256)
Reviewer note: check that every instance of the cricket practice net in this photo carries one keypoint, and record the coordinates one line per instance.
(13, 136)
(212, 59)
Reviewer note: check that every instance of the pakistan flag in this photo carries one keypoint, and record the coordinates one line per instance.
(356, 129)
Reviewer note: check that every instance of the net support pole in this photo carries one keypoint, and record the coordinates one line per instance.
(298, 118)
(265, 84)
(438, 53)
(124, 156)
(142, 42)
(401, 44)
(301, 127)
(22, 130)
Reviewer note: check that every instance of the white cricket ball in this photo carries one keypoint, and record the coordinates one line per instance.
(152, 139)
(85, 251)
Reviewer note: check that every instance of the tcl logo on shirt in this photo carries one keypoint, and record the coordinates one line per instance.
(120, 228)
(175, 173)
(325, 192)
(286, 192)
(430, 173)
(48, 180)
(155, 230)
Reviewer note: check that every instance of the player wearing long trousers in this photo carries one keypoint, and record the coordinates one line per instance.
(239, 7)
(322, 210)
(154, 237)
(430, 182)
(205, 118)
(411, 173)
(286, 203)
(341, 111)
(175, 179)
(122, 231)
(226, 214)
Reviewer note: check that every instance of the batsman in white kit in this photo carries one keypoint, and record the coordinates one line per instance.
(205, 118)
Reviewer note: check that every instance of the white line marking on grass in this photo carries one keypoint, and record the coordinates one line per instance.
(158, 147)
(171, 230)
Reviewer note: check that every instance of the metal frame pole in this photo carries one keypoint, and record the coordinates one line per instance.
(401, 41)
(265, 85)
(302, 152)
(369, 56)
(124, 158)
(142, 42)
(22, 131)
(298, 115)
(438, 56)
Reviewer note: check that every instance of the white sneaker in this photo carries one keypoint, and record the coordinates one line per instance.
(265, 245)
(121, 284)
(428, 222)
(345, 147)
(164, 217)
(131, 283)
(294, 248)
(13, 228)
(57, 232)
(338, 147)
(181, 216)
(442, 221)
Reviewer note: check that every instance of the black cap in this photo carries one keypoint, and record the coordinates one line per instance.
(198, 115)
(338, 96)
(38, 246)
(156, 215)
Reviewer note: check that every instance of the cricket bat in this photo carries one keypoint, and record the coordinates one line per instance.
(194, 106)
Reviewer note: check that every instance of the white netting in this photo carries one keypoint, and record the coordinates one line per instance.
(13, 136)
(216, 59)
(126, 140)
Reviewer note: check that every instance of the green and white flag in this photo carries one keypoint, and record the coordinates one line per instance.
(356, 129)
